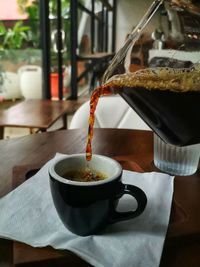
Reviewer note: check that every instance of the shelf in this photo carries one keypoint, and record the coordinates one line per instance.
(95, 62)
(99, 55)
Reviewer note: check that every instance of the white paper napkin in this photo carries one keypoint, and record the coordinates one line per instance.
(27, 214)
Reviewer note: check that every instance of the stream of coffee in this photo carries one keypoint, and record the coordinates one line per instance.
(166, 98)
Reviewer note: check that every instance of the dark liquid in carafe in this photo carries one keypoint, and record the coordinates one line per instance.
(170, 107)
(173, 116)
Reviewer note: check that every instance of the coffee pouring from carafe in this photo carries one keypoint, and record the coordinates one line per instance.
(165, 98)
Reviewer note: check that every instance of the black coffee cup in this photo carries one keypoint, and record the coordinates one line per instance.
(86, 208)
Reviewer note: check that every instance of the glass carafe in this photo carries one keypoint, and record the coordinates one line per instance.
(157, 70)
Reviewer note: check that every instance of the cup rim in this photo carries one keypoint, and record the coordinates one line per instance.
(54, 175)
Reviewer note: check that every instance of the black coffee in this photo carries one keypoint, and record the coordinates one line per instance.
(172, 115)
(85, 175)
(167, 99)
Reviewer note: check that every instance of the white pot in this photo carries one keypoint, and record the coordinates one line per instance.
(10, 87)
(31, 81)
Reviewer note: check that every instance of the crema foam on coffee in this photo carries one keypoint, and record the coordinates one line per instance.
(84, 175)
(160, 78)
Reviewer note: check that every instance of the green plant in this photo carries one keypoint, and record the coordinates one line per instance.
(32, 12)
(15, 37)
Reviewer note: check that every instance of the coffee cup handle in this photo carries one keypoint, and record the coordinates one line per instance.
(141, 199)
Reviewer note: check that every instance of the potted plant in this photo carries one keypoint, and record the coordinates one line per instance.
(10, 39)
(19, 50)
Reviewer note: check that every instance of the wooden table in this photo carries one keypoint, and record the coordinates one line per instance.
(134, 149)
(37, 113)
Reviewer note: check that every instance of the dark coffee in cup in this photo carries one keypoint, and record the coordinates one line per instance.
(84, 175)
(87, 207)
